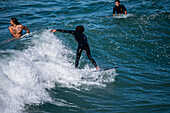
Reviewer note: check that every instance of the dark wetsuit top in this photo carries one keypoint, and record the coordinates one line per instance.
(120, 9)
(82, 45)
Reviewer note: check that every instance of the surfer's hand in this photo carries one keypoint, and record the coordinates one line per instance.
(53, 30)
(125, 12)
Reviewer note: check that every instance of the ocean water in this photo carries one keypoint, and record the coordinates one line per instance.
(37, 73)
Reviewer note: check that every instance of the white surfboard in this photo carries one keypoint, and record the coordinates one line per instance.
(122, 15)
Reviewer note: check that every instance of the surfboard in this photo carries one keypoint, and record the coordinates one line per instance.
(24, 35)
(10, 39)
(106, 69)
(123, 15)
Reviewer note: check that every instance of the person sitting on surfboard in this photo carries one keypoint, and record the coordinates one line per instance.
(119, 8)
(82, 43)
(16, 28)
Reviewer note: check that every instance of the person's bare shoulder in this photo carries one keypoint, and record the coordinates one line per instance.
(20, 26)
(10, 28)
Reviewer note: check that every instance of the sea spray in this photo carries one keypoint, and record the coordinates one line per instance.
(27, 74)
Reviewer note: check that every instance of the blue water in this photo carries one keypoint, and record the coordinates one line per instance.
(37, 73)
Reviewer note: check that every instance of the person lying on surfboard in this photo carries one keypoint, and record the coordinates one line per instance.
(119, 8)
(82, 43)
(16, 28)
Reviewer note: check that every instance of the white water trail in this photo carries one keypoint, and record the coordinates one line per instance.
(26, 74)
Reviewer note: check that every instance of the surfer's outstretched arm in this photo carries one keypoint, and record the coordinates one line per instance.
(63, 31)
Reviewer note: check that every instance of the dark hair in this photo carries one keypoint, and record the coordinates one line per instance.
(80, 29)
(117, 1)
(15, 21)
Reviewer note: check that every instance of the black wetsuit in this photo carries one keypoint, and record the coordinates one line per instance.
(120, 9)
(82, 45)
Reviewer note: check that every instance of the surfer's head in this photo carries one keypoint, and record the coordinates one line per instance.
(14, 21)
(80, 29)
(117, 2)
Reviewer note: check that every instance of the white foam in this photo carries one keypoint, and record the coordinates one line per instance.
(25, 76)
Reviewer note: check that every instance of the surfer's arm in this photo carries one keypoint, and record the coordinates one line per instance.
(114, 11)
(25, 28)
(124, 10)
(63, 31)
(86, 40)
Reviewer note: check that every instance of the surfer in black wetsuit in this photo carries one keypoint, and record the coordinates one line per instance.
(120, 9)
(82, 43)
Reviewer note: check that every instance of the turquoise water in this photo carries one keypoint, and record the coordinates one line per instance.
(37, 73)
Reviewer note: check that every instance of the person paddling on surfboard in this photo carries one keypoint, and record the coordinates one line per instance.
(119, 8)
(16, 28)
(82, 43)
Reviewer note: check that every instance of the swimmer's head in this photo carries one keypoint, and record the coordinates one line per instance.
(117, 2)
(80, 29)
(14, 21)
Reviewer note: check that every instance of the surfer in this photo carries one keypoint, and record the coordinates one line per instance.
(119, 8)
(16, 28)
(82, 43)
